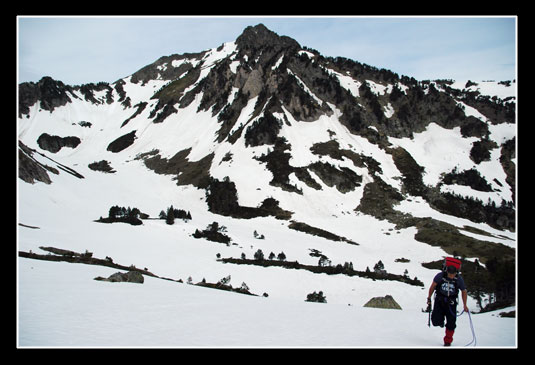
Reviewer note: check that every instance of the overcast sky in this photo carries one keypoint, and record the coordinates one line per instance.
(78, 50)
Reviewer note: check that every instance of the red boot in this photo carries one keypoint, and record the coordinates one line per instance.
(448, 339)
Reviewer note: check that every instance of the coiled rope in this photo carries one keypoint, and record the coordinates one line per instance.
(474, 340)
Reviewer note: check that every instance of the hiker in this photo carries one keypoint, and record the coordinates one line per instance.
(446, 286)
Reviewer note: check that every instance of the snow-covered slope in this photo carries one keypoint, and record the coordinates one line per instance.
(161, 313)
(342, 147)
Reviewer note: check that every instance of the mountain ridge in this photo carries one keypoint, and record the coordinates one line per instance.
(306, 88)
(262, 128)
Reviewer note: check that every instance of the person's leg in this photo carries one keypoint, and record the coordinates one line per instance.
(437, 316)
(451, 318)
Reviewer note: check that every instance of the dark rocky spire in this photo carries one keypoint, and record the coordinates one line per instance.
(259, 36)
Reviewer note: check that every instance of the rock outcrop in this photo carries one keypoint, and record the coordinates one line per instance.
(128, 277)
(386, 302)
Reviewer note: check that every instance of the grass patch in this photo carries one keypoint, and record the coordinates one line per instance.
(303, 227)
(448, 237)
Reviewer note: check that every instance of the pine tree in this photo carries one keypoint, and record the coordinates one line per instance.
(225, 280)
(244, 287)
(170, 219)
(259, 255)
(379, 266)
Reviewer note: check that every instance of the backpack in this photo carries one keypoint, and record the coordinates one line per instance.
(448, 287)
(452, 261)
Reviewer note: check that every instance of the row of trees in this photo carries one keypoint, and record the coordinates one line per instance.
(134, 215)
(126, 215)
(259, 256)
(172, 213)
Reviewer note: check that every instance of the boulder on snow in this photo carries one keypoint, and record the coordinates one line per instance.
(129, 277)
(386, 302)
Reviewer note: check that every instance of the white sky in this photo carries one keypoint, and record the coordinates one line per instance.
(78, 50)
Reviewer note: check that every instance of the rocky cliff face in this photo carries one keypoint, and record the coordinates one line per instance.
(49, 92)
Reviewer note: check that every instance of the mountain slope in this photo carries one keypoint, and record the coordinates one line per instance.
(188, 316)
(325, 158)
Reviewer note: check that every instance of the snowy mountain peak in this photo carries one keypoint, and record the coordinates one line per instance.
(325, 157)
(255, 93)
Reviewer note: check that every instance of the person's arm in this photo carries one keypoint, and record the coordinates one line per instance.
(465, 297)
(431, 290)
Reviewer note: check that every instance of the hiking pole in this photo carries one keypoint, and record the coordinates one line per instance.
(429, 311)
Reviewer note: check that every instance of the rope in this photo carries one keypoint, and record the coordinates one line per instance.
(473, 332)
(474, 341)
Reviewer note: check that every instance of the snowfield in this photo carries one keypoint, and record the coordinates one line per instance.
(160, 313)
(60, 304)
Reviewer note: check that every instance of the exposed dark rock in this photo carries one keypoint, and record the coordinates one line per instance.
(29, 169)
(278, 162)
(333, 150)
(122, 142)
(49, 92)
(151, 72)
(263, 131)
(195, 173)
(222, 198)
(411, 171)
(378, 199)
(303, 227)
(128, 277)
(258, 36)
(167, 110)
(343, 178)
(88, 91)
(216, 87)
(55, 143)
(140, 107)
(102, 165)
(171, 94)
(85, 124)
